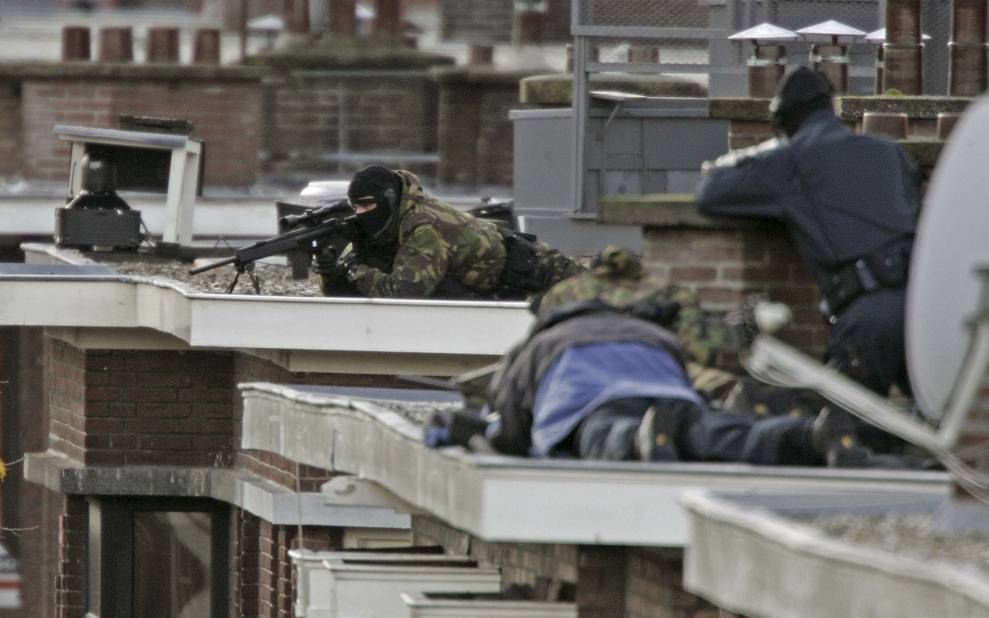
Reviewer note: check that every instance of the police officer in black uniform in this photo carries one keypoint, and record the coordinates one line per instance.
(851, 204)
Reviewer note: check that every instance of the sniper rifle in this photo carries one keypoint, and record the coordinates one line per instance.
(311, 231)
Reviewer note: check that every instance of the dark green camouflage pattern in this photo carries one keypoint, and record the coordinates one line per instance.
(617, 279)
(437, 244)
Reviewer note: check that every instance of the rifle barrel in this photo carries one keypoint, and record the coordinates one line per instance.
(201, 269)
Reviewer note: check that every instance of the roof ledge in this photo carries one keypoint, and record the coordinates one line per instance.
(237, 487)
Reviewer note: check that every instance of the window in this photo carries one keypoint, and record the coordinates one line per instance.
(158, 558)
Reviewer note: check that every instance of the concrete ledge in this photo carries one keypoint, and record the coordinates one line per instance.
(511, 499)
(128, 71)
(780, 567)
(740, 108)
(478, 75)
(657, 209)
(669, 210)
(240, 488)
(924, 152)
(457, 333)
(341, 52)
(557, 89)
(850, 109)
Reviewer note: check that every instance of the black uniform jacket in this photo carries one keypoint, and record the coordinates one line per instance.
(841, 195)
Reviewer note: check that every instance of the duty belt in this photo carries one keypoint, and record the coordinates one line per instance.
(885, 268)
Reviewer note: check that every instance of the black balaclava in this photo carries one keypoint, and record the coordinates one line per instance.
(385, 186)
(801, 93)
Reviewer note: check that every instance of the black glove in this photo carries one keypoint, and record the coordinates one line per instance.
(348, 262)
(326, 262)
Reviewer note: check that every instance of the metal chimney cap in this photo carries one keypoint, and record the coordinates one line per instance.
(879, 36)
(266, 23)
(765, 32)
(831, 28)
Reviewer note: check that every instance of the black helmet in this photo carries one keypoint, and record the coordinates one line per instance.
(802, 91)
(381, 184)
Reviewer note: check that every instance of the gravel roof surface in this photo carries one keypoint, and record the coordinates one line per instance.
(417, 412)
(907, 534)
(275, 279)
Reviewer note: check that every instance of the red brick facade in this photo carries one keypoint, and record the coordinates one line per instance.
(475, 133)
(70, 596)
(603, 581)
(141, 407)
(10, 127)
(308, 115)
(225, 114)
(727, 265)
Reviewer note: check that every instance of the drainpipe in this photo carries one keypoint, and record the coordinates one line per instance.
(967, 48)
(902, 51)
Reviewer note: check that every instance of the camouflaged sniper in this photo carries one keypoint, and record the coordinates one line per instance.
(428, 248)
(434, 242)
(617, 279)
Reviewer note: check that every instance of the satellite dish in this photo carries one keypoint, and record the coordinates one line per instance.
(943, 291)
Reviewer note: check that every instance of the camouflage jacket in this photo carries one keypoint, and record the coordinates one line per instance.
(436, 244)
(618, 280)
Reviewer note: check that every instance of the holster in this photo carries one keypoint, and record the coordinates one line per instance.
(887, 267)
(522, 269)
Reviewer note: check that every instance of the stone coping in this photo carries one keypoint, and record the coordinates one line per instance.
(851, 108)
(479, 75)
(10, 71)
(515, 499)
(739, 108)
(848, 108)
(236, 486)
(782, 567)
(347, 52)
(668, 210)
(556, 89)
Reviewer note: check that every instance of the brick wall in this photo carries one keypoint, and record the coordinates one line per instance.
(261, 582)
(70, 595)
(10, 127)
(490, 21)
(475, 134)
(309, 115)
(604, 581)
(227, 115)
(727, 265)
(141, 407)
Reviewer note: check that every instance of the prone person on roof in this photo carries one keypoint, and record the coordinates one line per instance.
(413, 245)
(603, 374)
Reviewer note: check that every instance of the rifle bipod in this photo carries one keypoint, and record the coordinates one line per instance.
(249, 269)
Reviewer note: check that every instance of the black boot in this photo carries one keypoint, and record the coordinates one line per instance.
(657, 434)
(834, 438)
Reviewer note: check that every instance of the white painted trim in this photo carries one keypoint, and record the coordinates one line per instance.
(395, 335)
(560, 501)
(779, 567)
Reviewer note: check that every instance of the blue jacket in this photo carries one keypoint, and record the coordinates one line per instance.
(579, 348)
(585, 377)
(841, 195)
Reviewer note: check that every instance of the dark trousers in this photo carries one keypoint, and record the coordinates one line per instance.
(867, 345)
(704, 434)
